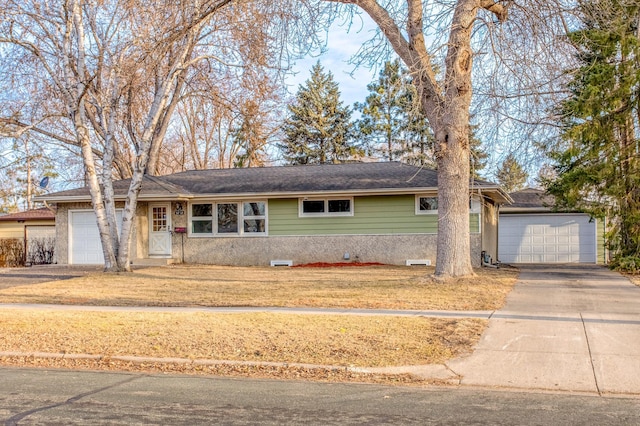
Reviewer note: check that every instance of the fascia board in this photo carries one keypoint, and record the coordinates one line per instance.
(502, 196)
(507, 210)
(87, 199)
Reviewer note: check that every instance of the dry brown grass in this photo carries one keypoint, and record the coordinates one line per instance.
(361, 341)
(383, 287)
(314, 339)
(635, 279)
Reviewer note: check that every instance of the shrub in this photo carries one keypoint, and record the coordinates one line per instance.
(40, 251)
(11, 252)
(630, 264)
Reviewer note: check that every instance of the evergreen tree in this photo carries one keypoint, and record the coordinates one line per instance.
(318, 129)
(478, 157)
(384, 112)
(417, 144)
(511, 176)
(392, 124)
(392, 121)
(597, 166)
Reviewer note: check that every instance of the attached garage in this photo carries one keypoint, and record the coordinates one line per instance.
(84, 239)
(529, 232)
(547, 238)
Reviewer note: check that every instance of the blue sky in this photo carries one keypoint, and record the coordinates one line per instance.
(342, 44)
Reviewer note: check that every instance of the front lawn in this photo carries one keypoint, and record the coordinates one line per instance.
(258, 338)
(377, 287)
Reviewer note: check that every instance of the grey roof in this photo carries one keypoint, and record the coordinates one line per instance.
(311, 178)
(282, 180)
(531, 199)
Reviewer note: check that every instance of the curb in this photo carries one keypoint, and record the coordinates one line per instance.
(422, 372)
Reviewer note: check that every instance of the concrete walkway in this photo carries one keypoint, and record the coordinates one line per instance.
(248, 309)
(571, 328)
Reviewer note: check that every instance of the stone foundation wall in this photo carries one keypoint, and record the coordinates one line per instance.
(388, 249)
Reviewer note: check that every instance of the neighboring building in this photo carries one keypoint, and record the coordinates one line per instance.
(36, 227)
(531, 232)
(368, 212)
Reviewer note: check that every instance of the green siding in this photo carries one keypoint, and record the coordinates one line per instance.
(600, 241)
(372, 215)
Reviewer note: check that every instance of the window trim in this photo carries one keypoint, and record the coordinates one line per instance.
(211, 218)
(326, 212)
(425, 212)
(214, 219)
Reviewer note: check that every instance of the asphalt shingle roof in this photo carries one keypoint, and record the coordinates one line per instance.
(311, 178)
(531, 198)
(34, 214)
(282, 180)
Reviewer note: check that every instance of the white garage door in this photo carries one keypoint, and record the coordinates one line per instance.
(547, 238)
(84, 239)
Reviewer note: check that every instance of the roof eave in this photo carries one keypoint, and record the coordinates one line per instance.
(496, 193)
(508, 209)
(87, 198)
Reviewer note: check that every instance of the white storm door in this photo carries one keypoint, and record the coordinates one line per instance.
(159, 230)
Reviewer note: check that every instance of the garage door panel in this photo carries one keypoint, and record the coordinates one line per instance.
(547, 238)
(85, 247)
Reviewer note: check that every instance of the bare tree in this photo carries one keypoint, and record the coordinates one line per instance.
(224, 122)
(445, 101)
(113, 73)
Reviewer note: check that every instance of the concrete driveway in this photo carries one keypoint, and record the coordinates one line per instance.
(11, 277)
(564, 327)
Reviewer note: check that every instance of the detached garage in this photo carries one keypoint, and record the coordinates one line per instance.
(529, 232)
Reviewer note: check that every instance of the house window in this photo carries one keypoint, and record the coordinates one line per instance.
(245, 218)
(255, 217)
(227, 218)
(202, 219)
(427, 205)
(474, 205)
(326, 207)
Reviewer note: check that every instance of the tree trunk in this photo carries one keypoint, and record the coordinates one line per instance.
(452, 148)
(453, 245)
(446, 106)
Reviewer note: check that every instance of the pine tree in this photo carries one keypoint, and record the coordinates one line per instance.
(392, 125)
(318, 129)
(392, 121)
(478, 157)
(597, 165)
(384, 114)
(511, 176)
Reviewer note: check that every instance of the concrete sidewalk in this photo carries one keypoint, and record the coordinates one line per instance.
(248, 309)
(570, 328)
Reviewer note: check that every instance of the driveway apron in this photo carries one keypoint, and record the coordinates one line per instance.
(564, 327)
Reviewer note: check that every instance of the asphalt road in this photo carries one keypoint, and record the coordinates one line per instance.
(59, 397)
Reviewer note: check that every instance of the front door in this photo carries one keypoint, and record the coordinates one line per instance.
(160, 230)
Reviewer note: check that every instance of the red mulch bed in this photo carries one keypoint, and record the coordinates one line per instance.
(337, 264)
